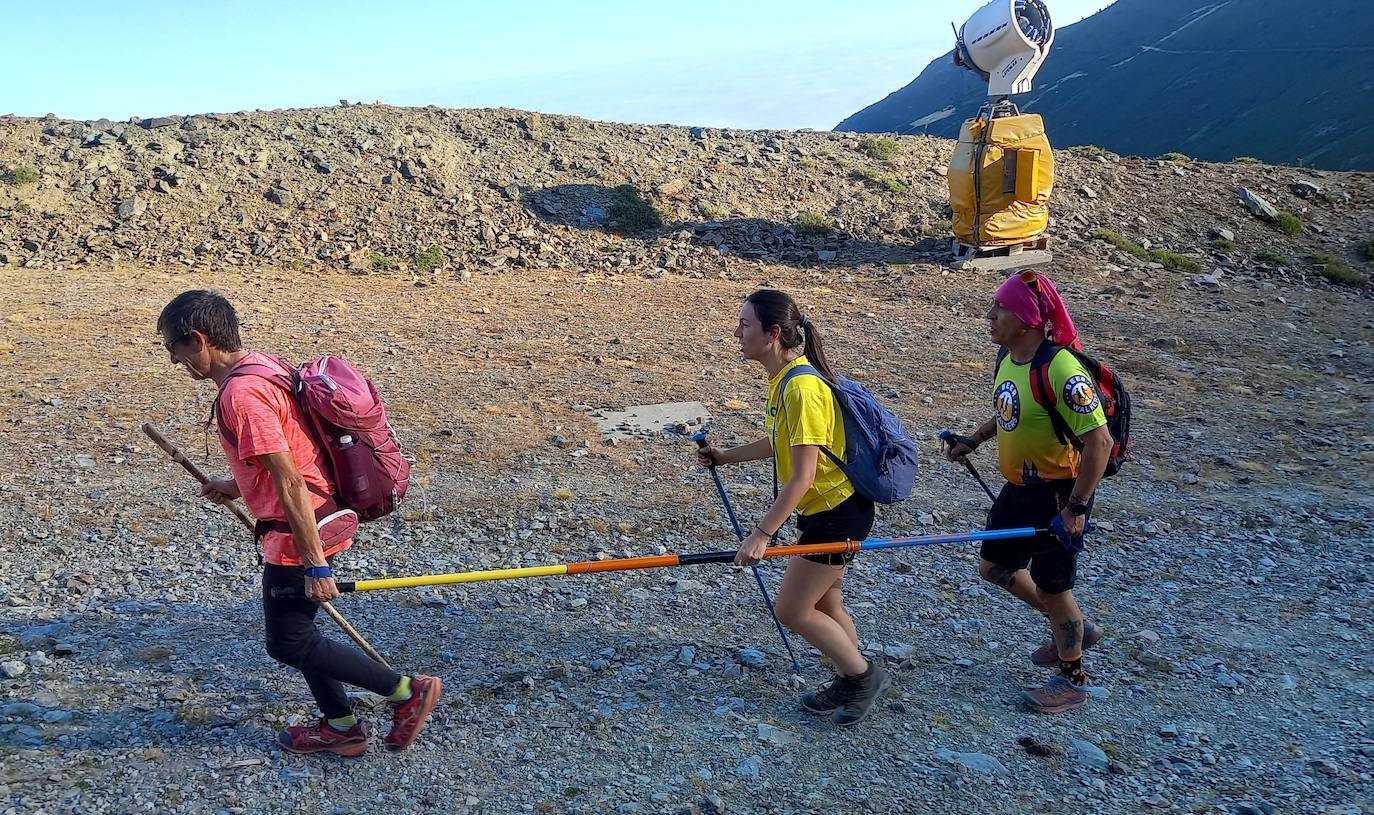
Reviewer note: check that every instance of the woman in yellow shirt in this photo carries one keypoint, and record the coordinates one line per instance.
(773, 332)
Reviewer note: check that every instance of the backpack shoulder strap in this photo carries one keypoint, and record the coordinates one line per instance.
(802, 370)
(1043, 391)
(284, 378)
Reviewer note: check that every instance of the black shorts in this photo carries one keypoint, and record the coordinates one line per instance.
(1052, 566)
(850, 520)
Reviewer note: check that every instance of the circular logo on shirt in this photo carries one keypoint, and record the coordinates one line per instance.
(1080, 395)
(1008, 404)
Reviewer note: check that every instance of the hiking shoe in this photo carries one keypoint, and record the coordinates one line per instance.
(408, 717)
(823, 700)
(863, 692)
(1057, 696)
(1047, 655)
(321, 738)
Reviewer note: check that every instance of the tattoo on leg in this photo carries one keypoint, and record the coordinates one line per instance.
(1001, 576)
(1072, 633)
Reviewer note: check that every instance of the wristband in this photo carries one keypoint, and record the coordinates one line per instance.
(770, 535)
(318, 572)
(1077, 506)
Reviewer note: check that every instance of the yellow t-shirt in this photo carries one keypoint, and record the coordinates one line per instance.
(810, 415)
(1028, 451)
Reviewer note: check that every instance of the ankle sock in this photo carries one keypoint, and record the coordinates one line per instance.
(343, 723)
(402, 691)
(1073, 671)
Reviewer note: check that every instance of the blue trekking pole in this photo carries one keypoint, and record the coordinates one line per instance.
(700, 439)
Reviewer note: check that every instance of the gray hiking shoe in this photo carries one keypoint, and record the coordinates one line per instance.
(863, 692)
(1047, 655)
(823, 700)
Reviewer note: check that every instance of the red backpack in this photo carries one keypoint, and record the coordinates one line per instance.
(345, 415)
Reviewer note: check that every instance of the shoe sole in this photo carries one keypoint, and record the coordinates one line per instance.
(1054, 663)
(428, 701)
(882, 689)
(816, 711)
(1051, 710)
(352, 750)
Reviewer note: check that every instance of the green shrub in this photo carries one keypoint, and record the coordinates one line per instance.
(1367, 249)
(1174, 156)
(1087, 150)
(1165, 258)
(894, 186)
(22, 207)
(1337, 271)
(812, 222)
(1121, 242)
(940, 229)
(1223, 244)
(1175, 261)
(380, 262)
(1272, 259)
(869, 174)
(1246, 160)
(882, 148)
(16, 176)
(710, 212)
(1288, 223)
(430, 259)
(631, 212)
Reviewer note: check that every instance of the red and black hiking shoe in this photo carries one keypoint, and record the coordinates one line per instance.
(321, 738)
(409, 717)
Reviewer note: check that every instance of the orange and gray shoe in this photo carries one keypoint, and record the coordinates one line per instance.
(1057, 696)
(1047, 655)
(322, 738)
(408, 718)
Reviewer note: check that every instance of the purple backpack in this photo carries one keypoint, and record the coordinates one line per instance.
(345, 415)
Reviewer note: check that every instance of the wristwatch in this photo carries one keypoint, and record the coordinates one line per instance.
(1077, 506)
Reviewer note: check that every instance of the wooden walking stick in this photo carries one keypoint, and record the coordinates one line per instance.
(190, 467)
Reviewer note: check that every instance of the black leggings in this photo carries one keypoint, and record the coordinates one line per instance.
(293, 639)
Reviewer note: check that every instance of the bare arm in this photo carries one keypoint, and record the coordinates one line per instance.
(1097, 447)
(804, 459)
(300, 514)
(958, 451)
(753, 451)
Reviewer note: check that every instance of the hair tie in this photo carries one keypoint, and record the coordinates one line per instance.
(804, 322)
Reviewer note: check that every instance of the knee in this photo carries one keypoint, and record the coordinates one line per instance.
(1055, 600)
(793, 616)
(289, 650)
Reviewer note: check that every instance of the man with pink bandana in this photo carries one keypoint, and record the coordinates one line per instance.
(1045, 477)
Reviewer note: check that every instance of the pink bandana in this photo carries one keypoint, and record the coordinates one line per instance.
(1033, 298)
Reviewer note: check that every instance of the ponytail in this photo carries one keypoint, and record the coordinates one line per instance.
(795, 330)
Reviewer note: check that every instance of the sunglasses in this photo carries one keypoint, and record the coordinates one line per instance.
(170, 344)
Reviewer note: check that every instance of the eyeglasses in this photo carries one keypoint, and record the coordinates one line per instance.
(170, 344)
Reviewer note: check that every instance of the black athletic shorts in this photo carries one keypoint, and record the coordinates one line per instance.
(850, 520)
(1052, 566)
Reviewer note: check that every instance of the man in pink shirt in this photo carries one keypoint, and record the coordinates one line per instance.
(283, 476)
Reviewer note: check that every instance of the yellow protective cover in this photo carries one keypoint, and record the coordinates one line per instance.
(1015, 181)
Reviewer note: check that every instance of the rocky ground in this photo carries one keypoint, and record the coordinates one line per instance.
(1231, 568)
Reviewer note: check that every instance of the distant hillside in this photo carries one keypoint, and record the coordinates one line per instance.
(1282, 82)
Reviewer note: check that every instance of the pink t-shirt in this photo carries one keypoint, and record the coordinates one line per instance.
(265, 419)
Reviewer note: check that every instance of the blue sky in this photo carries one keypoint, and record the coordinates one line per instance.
(746, 63)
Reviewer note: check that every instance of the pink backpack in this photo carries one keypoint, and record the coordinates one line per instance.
(344, 413)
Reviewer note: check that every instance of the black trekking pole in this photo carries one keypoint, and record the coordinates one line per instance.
(951, 439)
(700, 439)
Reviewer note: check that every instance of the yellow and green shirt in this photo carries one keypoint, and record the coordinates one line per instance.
(810, 414)
(1028, 451)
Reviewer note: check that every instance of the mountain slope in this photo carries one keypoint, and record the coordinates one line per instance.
(1212, 80)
